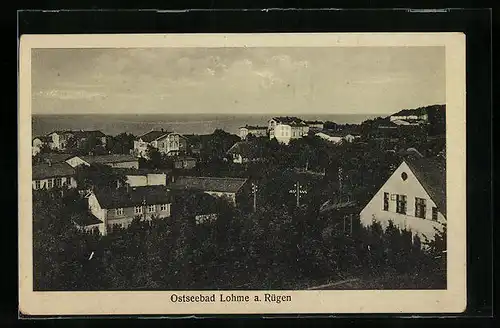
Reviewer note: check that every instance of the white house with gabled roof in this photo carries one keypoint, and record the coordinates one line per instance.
(413, 198)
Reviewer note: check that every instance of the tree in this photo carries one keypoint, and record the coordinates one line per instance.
(99, 176)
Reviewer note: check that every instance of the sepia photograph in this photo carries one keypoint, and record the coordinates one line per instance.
(242, 174)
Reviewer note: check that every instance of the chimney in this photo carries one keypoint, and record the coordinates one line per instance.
(162, 130)
(49, 162)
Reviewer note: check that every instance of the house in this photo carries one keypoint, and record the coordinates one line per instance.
(184, 162)
(286, 128)
(143, 177)
(169, 143)
(257, 131)
(315, 125)
(49, 176)
(119, 207)
(113, 160)
(244, 152)
(410, 116)
(414, 197)
(60, 140)
(337, 136)
(229, 188)
(38, 143)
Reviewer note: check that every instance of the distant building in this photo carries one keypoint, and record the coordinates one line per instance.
(38, 143)
(337, 136)
(168, 143)
(119, 207)
(229, 188)
(112, 160)
(49, 176)
(257, 131)
(286, 128)
(184, 162)
(414, 197)
(54, 157)
(58, 140)
(315, 125)
(410, 117)
(244, 152)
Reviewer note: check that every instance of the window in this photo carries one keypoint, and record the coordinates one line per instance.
(50, 183)
(37, 184)
(163, 207)
(434, 213)
(151, 209)
(401, 204)
(119, 211)
(420, 207)
(386, 201)
(58, 182)
(138, 210)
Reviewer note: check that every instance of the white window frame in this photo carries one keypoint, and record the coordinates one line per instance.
(119, 211)
(163, 207)
(138, 210)
(37, 184)
(153, 207)
(50, 183)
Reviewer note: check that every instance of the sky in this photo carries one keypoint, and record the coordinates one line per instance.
(306, 80)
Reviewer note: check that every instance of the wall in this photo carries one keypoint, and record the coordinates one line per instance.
(137, 180)
(283, 133)
(100, 213)
(411, 188)
(70, 182)
(129, 214)
(156, 179)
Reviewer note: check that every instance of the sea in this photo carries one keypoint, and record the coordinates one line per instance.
(113, 124)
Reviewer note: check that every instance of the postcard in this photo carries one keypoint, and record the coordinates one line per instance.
(193, 174)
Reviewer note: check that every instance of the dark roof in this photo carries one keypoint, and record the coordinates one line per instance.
(85, 219)
(254, 127)
(153, 135)
(246, 149)
(431, 173)
(289, 120)
(87, 134)
(111, 158)
(55, 157)
(207, 184)
(314, 122)
(45, 170)
(133, 196)
(134, 171)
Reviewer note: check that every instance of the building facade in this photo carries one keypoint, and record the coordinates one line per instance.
(413, 198)
(49, 176)
(257, 131)
(121, 206)
(286, 128)
(168, 143)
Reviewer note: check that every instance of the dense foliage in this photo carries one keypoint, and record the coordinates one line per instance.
(275, 247)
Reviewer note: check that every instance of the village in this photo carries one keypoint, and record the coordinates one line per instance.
(308, 189)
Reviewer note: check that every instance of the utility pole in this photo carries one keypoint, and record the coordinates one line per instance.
(254, 192)
(340, 184)
(297, 191)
